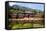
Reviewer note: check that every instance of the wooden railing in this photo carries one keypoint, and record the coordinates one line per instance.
(28, 19)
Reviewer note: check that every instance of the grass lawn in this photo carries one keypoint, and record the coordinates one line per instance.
(26, 25)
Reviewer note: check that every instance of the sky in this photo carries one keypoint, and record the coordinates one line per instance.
(29, 5)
